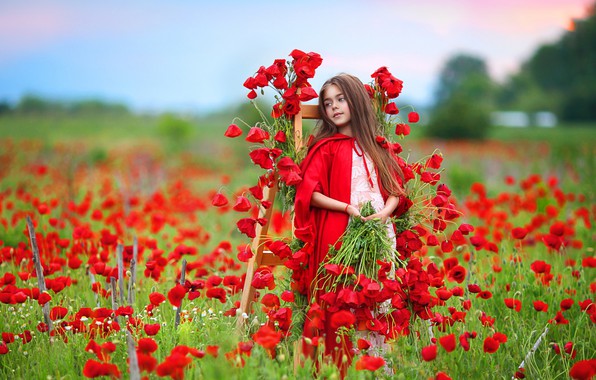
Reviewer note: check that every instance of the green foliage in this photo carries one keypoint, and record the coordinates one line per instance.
(560, 76)
(174, 129)
(34, 104)
(466, 74)
(459, 118)
(464, 100)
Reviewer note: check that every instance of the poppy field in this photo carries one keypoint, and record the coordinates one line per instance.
(512, 297)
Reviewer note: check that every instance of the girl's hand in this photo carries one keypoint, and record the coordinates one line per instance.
(353, 211)
(382, 215)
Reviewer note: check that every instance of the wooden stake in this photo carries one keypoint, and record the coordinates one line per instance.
(119, 251)
(133, 271)
(114, 302)
(133, 360)
(92, 277)
(131, 283)
(182, 282)
(41, 283)
(531, 352)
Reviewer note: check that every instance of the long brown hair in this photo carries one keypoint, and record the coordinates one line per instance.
(364, 128)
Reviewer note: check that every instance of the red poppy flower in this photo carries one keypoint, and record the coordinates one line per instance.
(484, 294)
(500, 337)
(540, 266)
(391, 109)
(257, 135)
(219, 200)
(402, 129)
(429, 353)
(146, 345)
(267, 338)
(151, 329)
(147, 363)
(244, 253)
(263, 279)
(583, 370)
(434, 161)
(156, 298)
(559, 319)
(233, 131)
(519, 233)
(280, 136)
(457, 274)
(413, 117)
(176, 294)
(342, 318)
(540, 306)
(442, 376)
(513, 303)
(58, 312)
(247, 227)
(212, 350)
(94, 369)
(363, 344)
(242, 204)
(44, 297)
(307, 93)
(444, 294)
(448, 342)
(217, 293)
(270, 300)
(3, 348)
(262, 157)
(490, 345)
(288, 296)
(369, 363)
(566, 304)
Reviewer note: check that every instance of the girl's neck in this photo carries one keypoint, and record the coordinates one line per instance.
(346, 130)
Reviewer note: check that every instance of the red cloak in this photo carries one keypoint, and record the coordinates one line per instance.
(326, 169)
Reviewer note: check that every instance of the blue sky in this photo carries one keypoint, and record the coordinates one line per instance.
(156, 55)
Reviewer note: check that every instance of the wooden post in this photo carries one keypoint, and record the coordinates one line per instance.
(92, 278)
(131, 284)
(119, 252)
(133, 360)
(41, 283)
(133, 271)
(114, 302)
(182, 282)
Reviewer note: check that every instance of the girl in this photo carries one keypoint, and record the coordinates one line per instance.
(344, 168)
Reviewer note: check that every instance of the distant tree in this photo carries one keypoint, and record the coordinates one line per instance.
(94, 106)
(463, 73)
(464, 99)
(560, 77)
(5, 107)
(174, 129)
(37, 104)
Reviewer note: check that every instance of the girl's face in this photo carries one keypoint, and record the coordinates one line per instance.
(337, 110)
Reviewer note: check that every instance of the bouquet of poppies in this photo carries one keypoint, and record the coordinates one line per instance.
(289, 80)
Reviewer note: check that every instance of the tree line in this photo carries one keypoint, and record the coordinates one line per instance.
(559, 77)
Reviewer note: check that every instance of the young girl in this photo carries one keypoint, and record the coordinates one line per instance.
(344, 168)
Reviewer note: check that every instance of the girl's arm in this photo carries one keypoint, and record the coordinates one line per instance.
(385, 213)
(323, 201)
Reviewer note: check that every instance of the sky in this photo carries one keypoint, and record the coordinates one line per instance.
(195, 55)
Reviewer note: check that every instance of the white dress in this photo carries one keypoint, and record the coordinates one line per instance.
(362, 191)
